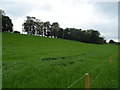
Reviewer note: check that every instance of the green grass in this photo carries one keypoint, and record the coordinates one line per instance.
(41, 62)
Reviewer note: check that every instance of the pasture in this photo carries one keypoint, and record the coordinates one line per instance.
(40, 62)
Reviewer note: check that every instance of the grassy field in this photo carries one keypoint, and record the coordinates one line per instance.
(41, 62)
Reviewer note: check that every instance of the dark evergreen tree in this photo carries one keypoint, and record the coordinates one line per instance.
(7, 25)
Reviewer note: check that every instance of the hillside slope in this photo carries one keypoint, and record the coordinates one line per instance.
(41, 62)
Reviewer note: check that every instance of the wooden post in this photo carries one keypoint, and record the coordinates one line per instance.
(87, 85)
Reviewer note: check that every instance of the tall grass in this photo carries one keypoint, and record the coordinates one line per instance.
(40, 62)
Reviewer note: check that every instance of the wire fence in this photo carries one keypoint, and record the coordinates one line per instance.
(95, 67)
(75, 81)
(96, 78)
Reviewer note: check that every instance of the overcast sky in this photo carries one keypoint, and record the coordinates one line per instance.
(99, 15)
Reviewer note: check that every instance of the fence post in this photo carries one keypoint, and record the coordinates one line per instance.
(87, 85)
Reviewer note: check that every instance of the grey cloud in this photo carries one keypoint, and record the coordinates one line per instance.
(108, 8)
(16, 9)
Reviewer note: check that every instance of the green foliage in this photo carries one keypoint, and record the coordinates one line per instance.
(7, 25)
(34, 26)
(54, 29)
(29, 25)
(112, 41)
(41, 62)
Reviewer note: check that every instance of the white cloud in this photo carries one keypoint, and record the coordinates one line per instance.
(18, 24)
(66, 14)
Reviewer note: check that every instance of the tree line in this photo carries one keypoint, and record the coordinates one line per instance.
(34, 26)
